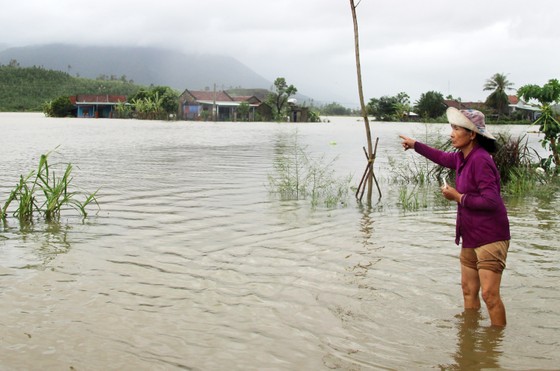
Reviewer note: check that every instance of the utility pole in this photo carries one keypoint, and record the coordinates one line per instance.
(214, 108)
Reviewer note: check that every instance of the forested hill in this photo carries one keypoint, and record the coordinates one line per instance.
(27, 89)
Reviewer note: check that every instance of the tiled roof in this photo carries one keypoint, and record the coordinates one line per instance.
(453, 103)
(463, 105)
(246, 98)
(242, 98)
(219, 96)
(100, 98)
(474, 105)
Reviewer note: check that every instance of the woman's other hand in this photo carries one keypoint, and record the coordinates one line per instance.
(451, 193)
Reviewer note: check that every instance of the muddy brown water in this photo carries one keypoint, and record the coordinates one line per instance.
(191, 263)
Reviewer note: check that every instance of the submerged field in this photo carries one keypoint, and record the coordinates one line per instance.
(192, 263)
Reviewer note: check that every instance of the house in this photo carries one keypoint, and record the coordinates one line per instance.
(96, 105)
(215, 106)
(527, 111)
(297, 113)
(262, 112)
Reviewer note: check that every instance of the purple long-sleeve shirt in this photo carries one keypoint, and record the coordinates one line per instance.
(481, 215)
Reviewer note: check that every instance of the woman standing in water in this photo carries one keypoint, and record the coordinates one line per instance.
(482, 224)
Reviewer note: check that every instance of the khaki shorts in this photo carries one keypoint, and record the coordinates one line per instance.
(492, 256)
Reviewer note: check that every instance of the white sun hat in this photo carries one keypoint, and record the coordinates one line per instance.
(469, 119)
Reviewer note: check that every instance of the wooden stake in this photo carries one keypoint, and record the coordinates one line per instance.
(369, 175)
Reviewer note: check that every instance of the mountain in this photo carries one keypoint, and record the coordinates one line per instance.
(144, 66)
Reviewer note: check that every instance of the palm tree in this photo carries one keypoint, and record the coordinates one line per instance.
(498, 99)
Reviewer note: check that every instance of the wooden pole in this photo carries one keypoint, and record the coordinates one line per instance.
(370, 155)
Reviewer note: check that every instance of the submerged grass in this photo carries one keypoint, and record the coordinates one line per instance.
(408, 199)
(43, 192)
(299, 176)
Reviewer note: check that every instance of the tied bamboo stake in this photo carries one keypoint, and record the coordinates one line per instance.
(367, 172)
(369, 175)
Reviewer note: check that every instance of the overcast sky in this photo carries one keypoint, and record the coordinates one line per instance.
(407, 46)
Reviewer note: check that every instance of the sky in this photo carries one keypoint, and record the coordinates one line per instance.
(409, 46)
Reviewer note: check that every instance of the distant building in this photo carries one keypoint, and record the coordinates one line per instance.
(216, 105)
(97, 106)
(527, 111)
(297, 113)
(515, 105)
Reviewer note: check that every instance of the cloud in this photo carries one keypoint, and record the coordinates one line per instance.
(411, 46)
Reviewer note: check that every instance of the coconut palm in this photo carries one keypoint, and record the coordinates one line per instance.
(498, 99)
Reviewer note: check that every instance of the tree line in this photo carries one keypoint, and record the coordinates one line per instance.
(431, 104)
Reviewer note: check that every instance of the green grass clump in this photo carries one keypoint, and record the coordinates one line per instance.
(44, 193)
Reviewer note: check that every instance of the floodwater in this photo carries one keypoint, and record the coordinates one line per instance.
(191, 263)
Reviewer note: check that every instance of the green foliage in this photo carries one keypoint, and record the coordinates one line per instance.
(60, 107)
(26, 197)
(157, 103)
(430, 105)
(498, 99)
(298, 176)
(27, 89)
(313, 116)
(278, 99)
(123, 110)
(243, 111)
(520, 182)
(335, 109)
(513, 153)
(55, 194)
(548, 124)
(383, 109)
(413, 199)
(389, 108)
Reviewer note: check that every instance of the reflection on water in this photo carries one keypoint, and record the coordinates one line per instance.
(51, 241)
(478, 347)
(191, 263)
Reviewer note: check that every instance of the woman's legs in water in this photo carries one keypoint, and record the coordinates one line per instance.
(472, 281)
(482, 267)
(490, 282)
